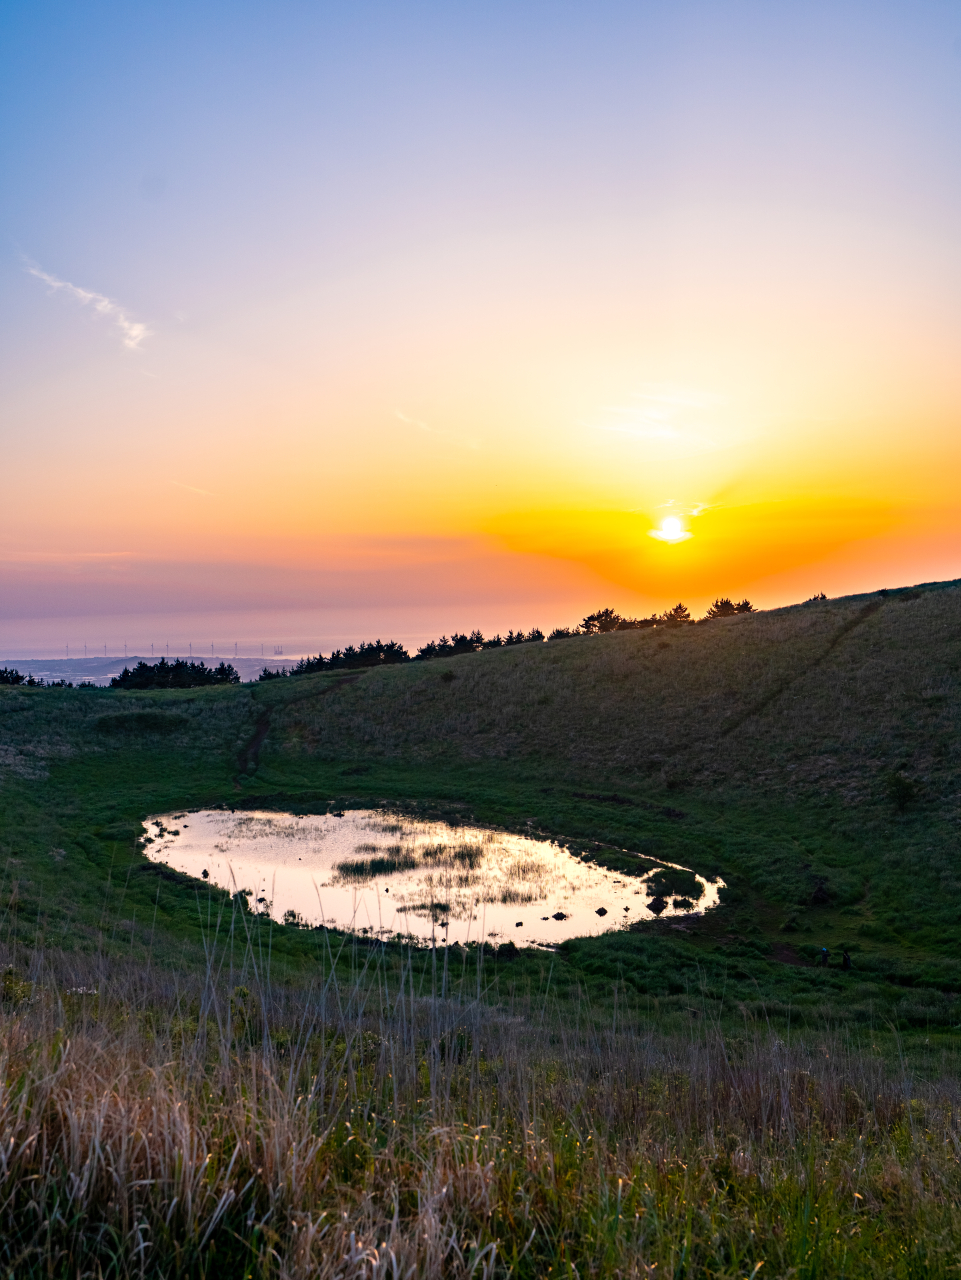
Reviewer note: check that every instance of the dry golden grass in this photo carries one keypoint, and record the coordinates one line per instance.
(370, 1128)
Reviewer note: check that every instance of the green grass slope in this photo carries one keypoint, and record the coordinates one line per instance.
(808, 755)
(189, 1090)
(811, 702)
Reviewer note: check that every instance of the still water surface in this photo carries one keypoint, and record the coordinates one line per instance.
(385, 874)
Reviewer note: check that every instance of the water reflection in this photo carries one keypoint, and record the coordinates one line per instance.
(387, 874)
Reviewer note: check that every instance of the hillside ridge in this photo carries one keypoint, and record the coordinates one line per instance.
(809, 755)
(833, 694)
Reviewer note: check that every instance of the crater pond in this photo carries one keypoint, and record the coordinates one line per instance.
(386, 874)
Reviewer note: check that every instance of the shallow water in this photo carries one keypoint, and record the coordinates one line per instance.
(381, 873)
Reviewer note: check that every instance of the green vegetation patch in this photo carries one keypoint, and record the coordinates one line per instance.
(142, 722)
(672, 881)
(368, 868)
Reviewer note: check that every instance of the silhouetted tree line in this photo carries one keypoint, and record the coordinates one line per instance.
(10, 675)
(178, 674)
(459, 643)
(605, 620)
(725, 608)
(378, 654)
(374, 653)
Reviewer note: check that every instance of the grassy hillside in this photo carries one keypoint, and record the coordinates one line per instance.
(813, 702)
(189, 1090)
(808, 755)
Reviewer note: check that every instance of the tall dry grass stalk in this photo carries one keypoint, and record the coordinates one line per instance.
(387, 1120)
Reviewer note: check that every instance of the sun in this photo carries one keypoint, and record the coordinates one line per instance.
(671, 530)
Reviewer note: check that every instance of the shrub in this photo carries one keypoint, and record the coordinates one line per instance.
(676, 617)
(636, 624)
(179, 674)
(901, 791)
(601, 621)
(9, 675)
(723, 607)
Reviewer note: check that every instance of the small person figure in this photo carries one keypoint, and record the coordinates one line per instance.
(824, 957)
(845, 960)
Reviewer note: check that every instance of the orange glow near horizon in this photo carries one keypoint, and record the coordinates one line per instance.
(728, 549)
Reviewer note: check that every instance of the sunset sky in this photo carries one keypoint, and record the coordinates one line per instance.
(320, 322)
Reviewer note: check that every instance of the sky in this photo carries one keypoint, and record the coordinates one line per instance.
(324, 322)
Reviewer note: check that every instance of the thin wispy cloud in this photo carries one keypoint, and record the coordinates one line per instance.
(191, 489)
(676, 420)
(62, 557)
(467, 442)
(133, 332)
(687, 511)
(682, 419)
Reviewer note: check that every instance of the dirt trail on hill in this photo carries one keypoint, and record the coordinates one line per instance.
(250, 752)
(764, 702)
